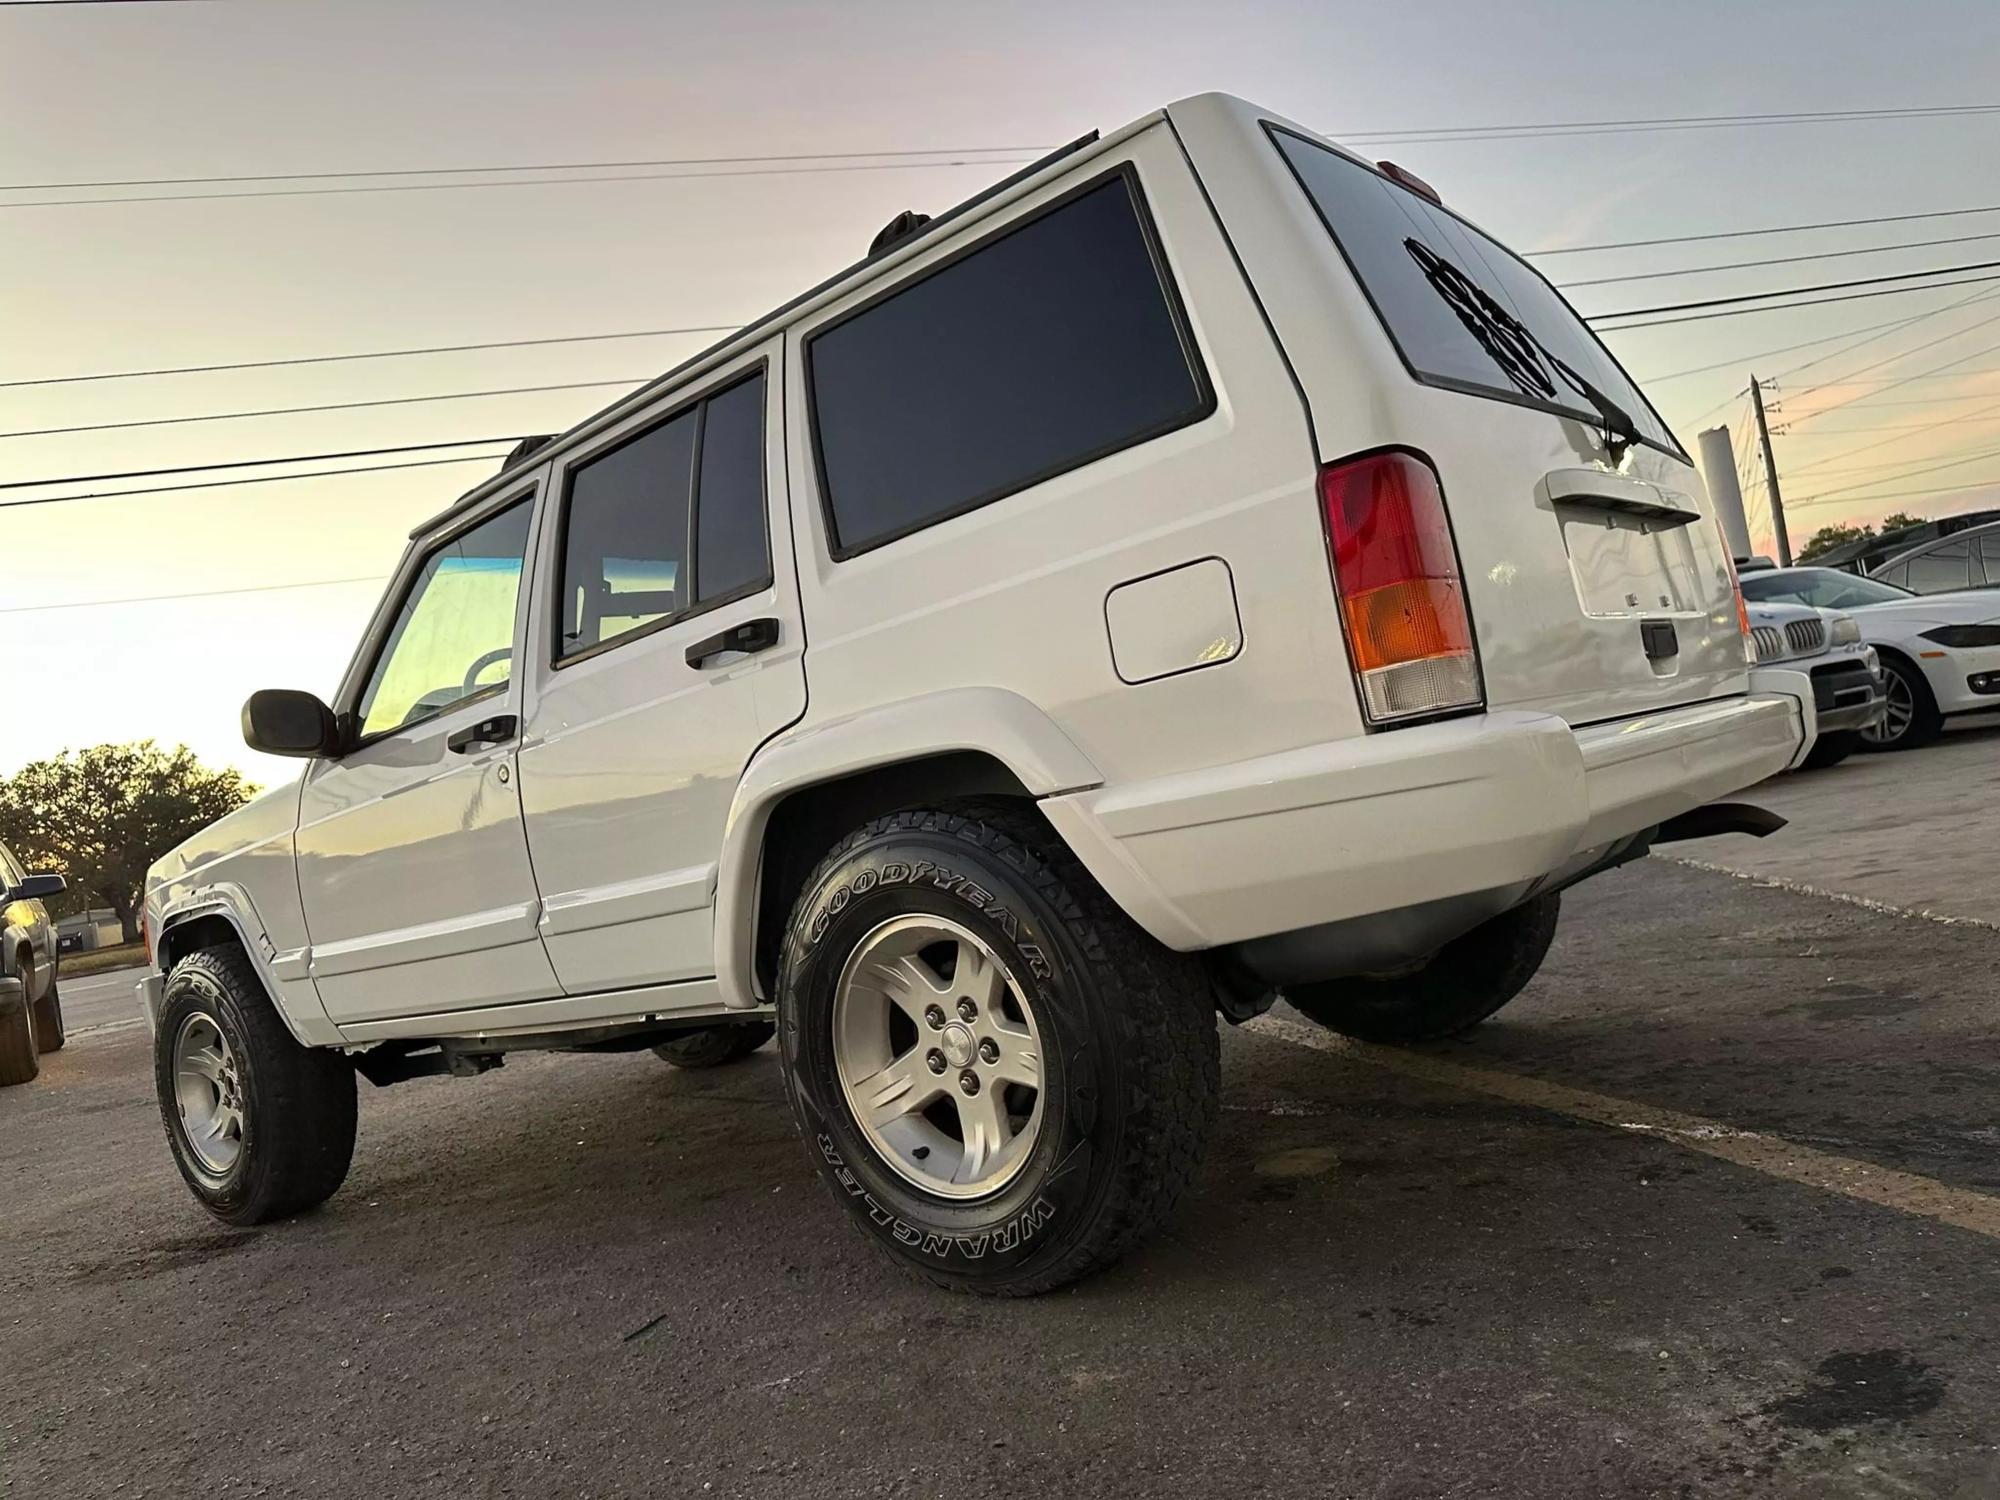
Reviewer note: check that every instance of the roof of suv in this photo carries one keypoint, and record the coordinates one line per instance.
(1985, 528)
(898, 249)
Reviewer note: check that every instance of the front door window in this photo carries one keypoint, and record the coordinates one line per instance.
(454, 636)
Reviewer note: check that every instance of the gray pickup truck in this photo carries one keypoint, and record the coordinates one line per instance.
(30, 1010)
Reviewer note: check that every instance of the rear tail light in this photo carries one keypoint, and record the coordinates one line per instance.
(1736, 588)
(1402, 596)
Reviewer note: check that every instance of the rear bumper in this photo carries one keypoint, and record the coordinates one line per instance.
(1379, 823)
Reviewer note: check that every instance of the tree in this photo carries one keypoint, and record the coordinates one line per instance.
(1829, 537)
(1899, 520)
(100, 816)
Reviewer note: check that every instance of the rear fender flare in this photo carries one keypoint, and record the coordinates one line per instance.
(986, 720)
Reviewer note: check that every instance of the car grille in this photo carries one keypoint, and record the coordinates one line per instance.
(1805, 636)
(1770, 642)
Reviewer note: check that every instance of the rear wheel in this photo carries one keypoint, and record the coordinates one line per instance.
(1912, 716)
(1005, 1081)
(1460, 985)
(18, 1060)
(49, 1035)
(715, 1046)
(260, 1126)
(1831, 749)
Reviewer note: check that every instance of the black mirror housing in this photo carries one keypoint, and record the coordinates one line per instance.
(39, 888)
(285, 721)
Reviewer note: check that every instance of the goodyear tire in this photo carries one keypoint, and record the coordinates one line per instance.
(1459, 986)
(260, 1126)
(715, 1046)
(1005, 1082)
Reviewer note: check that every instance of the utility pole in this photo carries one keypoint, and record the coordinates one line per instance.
(1771, 476)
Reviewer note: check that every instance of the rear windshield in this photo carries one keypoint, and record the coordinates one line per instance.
(1403, 250)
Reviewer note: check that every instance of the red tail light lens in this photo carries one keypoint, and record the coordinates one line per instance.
(1402, 597)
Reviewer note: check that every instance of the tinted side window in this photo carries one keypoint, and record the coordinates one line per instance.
(1052, 345)
(1989, 551)
(1898, 575)
(625, 536)
(731, 550)
(454, 634)
(1947, 566)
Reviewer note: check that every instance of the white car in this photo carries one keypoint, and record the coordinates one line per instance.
(1817, 657)
(1940, 652)
(1198, 567)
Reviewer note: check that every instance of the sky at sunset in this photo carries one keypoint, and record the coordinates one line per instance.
(94, 93)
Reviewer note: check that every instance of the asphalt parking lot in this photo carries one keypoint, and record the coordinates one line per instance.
(1713, 1209)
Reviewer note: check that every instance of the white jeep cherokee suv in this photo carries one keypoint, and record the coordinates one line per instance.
(1198, 568)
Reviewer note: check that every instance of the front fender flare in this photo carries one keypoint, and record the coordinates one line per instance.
(285, 976)
(991, 721)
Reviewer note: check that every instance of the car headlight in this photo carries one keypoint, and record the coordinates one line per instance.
(1964, 635)
(1846, 630)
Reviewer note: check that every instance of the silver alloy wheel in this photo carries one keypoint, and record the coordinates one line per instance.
(1902, 710)
(209, 1090)
(939, 1056)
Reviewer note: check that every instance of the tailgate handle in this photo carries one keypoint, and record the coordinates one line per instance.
(1661, 640)
(1591, 489)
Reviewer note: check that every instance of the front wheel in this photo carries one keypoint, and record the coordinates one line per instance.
(1005, 1081)
(19, 1062)
(260, 1126)
(49, 1034)
(1911, 717)
(1460, 985)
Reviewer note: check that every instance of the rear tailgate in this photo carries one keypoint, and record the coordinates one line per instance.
(1597, 591)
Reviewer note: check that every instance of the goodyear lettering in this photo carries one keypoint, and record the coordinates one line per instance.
(923, 871)
(1008, 1237)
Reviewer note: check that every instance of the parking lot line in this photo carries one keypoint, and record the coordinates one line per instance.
(1905, 1192)
(1800, 888)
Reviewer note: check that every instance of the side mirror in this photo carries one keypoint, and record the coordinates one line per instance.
(39, 888)
(284, 721)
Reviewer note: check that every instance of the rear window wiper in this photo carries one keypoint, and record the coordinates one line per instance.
(1514, 347)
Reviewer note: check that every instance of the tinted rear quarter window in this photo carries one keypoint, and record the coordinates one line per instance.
(1056, 342)
(1389, 235)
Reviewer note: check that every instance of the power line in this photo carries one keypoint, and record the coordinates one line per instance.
(1739, 312)
(262, 588)
(1662, 122)
(1796, 291)
(1943, 489)
(249, 463)
(1954, 419)
(1739, 234)
(1862, 484)
(440, 187)
(290, 411)
(1414, 133)
(1781, 260)
(1871, 328)
(543, 166)
(224, 484)
(331, 359)
(1901, 380)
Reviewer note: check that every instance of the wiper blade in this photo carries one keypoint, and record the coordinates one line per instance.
(1513, 346)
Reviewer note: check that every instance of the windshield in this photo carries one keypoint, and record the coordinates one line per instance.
(1823, 588)
(1411, 256)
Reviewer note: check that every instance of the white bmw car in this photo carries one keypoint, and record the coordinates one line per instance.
(1940, 652)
